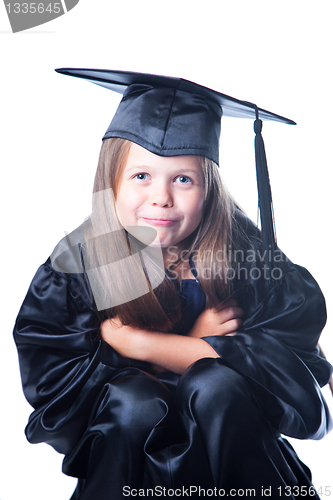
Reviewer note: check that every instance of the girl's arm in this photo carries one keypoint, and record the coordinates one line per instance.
(170, 351)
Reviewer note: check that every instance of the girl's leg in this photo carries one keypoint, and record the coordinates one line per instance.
(242, 450)
(111, 454)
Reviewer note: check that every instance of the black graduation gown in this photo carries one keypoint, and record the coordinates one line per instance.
(217, 427)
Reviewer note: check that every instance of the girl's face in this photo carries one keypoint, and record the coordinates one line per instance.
(166, 193)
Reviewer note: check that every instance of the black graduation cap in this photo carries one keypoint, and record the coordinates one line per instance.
(173, 116)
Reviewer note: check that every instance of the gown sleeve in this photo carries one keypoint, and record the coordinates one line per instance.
(277, 348)
(64, 364)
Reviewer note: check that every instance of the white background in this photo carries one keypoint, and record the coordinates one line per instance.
(276, 54)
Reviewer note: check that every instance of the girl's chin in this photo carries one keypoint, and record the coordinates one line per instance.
(160, 243)
(146, 239)
(146, 234)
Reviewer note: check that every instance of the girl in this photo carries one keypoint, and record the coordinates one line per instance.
(167, 343)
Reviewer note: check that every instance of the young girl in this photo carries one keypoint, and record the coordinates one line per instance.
(167, 343)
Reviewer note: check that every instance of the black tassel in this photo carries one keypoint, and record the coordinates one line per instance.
(264, 197)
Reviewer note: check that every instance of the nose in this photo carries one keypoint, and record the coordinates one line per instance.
(161, 196)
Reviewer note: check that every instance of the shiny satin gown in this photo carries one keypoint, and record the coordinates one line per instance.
(125, 431)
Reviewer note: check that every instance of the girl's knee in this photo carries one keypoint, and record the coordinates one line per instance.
(209, 385)
(133, 402)
(128, 408)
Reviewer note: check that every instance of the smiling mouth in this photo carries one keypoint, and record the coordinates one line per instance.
(159, 222)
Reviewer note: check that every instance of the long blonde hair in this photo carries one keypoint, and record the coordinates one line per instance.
(159, 309)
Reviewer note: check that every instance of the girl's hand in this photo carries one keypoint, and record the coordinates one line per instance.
(225, 321)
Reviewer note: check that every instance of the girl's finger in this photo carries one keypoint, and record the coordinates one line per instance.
(230, 327)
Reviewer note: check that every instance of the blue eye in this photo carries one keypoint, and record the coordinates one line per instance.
(183, 179)
(141, 176)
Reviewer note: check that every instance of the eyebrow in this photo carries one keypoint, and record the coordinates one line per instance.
(147, 167)
(140, 167)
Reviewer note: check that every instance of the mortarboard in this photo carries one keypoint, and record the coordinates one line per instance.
(173, 116)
